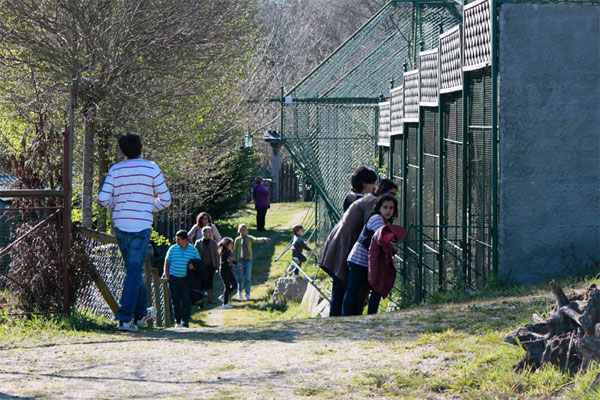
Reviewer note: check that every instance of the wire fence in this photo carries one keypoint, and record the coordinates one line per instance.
(108, 269)
(410, 94)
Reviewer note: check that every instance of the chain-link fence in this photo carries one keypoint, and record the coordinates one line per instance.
(410, 93)
(100, 295)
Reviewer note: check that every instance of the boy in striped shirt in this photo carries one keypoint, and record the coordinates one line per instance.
(177, 263)
(133, 190)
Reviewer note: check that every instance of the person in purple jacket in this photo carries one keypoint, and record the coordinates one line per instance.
(262, 202)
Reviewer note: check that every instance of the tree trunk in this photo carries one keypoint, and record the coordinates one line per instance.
(103, 165)
(87, 192)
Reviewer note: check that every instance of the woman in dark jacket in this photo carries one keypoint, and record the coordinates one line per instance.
(262, 202)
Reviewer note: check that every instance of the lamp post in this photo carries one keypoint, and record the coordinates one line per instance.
(248, 137)
(273, 138)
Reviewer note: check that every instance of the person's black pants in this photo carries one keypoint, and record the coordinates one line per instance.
(180, 298)
(260, 219)
(358, 282)
(337, 297)
(229, 282)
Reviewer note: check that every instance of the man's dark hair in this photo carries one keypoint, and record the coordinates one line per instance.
(130, 144)
(362, 175)
(182, 233)
(258, 180)
(384, 186)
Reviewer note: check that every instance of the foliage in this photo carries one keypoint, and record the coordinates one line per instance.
(226, 193)
(35, 272)
(168, 70)
(36, 268)
(158, 239)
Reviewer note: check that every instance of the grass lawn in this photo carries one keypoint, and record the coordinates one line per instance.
(279, 221)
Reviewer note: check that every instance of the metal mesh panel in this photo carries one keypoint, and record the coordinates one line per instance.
(411, 96)
(431, 19)
(367, 61)
(6, 232)
(429, 78)
(430, 200)
(412, 184)
(383, 135)
(330, 141)
(451, 60)
(397, 172)
(32, 265)
(431, 174)
(384, 158)
(108, 261)
(477, 35)
(396, 110)
(453, 187)
(412, 242)
(480, 175)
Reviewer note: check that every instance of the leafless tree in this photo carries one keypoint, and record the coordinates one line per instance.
(140, 63)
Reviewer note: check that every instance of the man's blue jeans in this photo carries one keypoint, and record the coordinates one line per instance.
(242, 275)
(134, 299)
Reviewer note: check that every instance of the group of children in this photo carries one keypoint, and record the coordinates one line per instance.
(190, 269)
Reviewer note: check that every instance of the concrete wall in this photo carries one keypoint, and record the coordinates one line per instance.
(549, 73)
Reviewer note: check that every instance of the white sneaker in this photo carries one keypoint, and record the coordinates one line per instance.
(150, 314)
(227, 306)
(177, 326)
(128, 326)
(240, 296)
(247, 297)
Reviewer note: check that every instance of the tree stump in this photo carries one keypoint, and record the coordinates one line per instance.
(568, 338)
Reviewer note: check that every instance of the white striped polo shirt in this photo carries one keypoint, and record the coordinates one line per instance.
(134, 189)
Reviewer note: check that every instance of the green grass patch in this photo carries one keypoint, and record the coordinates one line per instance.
(223, 368)
(17, 328)
(307, 391)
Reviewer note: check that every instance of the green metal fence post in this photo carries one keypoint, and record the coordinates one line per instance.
(441, 216)
(463, 278)
(420, 185)
(494, 139)
(404, 169)
(391, 148)
(391, 151)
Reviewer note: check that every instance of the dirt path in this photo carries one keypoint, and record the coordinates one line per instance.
(331, 358)
(279, 361)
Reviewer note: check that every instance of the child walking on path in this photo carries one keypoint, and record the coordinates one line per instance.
(298, 245)
(226, 270)
(385, 209)
(207, 248)
(177, 262)
(242, 252)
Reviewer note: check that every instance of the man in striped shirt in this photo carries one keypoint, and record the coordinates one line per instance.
(133, 190)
